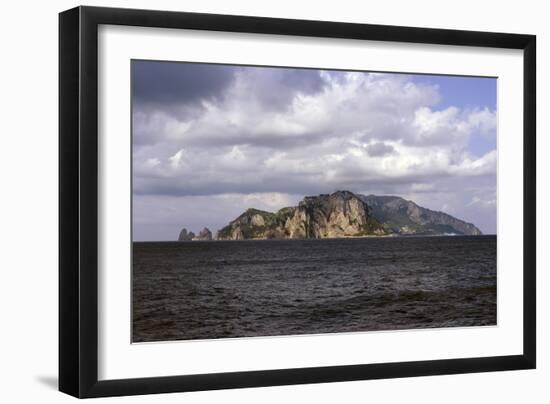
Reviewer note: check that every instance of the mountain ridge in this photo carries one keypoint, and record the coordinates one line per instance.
(404, 217)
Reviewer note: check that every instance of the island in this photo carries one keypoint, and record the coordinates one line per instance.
(339, 215)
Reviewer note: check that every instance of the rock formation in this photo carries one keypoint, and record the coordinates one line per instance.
(204, 234)
(341, 214)
(184, 236)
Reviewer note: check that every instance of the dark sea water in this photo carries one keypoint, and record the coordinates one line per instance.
(223, 289)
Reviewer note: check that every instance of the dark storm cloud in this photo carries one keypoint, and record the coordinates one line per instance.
(173, 83)
(161, 83)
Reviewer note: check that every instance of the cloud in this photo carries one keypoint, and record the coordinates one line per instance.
(165, 83)
(354, 130)
(485, 121)
(379, 149)
(274, 88)
(477, 201)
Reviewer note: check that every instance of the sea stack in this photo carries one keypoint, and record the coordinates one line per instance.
(204, 235)
(184, 236)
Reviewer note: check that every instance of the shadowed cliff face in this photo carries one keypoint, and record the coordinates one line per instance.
(341, 214)
(406, 217)
(185, 236)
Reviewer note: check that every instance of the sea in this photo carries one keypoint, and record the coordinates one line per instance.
(229, 289)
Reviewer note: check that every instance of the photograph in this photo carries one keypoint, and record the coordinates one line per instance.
(281, 201)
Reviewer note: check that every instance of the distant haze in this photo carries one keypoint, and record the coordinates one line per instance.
(210, 141)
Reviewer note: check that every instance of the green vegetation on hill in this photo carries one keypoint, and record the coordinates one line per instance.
(372, 226)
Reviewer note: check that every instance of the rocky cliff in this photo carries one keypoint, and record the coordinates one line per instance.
(341, 214)
(404, 217)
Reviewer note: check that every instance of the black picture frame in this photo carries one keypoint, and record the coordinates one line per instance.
(78, 201)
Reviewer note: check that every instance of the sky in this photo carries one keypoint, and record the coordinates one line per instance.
(210, 141)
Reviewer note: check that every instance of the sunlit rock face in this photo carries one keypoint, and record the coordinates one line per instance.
(204, 234)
